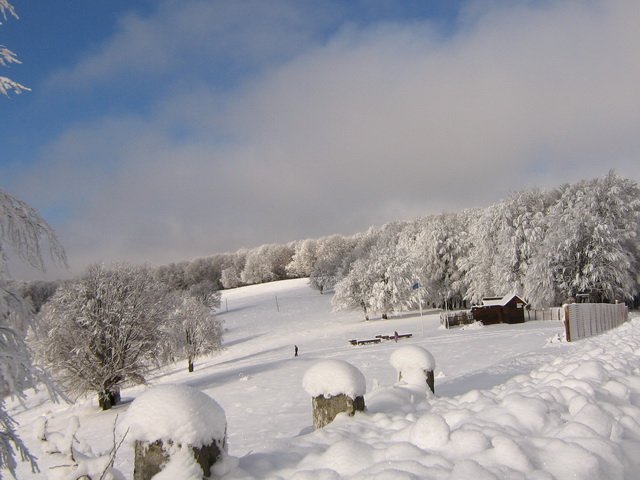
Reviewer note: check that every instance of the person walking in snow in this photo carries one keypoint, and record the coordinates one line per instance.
(395, 336)
(295, 350)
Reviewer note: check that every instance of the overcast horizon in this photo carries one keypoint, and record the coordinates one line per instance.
(161, 131)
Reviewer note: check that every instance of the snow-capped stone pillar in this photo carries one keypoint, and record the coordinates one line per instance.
(414, 365)
(175, 427)
(335, 387)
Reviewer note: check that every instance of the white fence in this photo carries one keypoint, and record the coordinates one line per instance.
(554, 313)
(582, 320)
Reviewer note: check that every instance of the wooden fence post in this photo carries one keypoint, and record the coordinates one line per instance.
(335, 387)
(170, 418)
(567, 329)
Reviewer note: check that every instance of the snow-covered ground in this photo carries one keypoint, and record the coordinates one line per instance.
(510, 402)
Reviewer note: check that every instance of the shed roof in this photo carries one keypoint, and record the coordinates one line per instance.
(500, 302)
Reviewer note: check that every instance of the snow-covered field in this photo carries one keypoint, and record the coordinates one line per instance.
(510, 402)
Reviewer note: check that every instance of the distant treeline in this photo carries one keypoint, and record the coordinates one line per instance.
(547, 245)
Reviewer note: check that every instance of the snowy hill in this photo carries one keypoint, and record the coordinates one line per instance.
(509, 403)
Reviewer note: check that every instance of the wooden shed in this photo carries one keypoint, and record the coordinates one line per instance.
(507, 309)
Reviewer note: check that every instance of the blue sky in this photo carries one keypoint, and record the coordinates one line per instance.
(164, 130)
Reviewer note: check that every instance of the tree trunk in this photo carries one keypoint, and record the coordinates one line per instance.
(190, 365)
(364, 309)
(108, 397)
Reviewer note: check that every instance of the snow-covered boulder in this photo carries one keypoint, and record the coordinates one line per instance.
(168, 418)
(414, 365)
(334, 377)
(335, 387)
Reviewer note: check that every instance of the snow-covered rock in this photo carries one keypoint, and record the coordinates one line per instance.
(329, 378)
(178, 413)
(412, 357)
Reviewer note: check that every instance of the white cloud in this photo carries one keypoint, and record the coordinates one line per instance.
(204, 36)
(380, 123)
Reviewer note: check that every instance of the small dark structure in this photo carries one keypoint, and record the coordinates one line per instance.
(507, 309)
(365, 342)
(455, 318)
(392, 337)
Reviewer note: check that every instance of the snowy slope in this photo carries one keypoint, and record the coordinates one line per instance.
(509, 404)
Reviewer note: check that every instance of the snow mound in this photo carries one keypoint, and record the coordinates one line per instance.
(473, 326)
(412, 357)
(575, 417)
(334, 377)
(178, 413)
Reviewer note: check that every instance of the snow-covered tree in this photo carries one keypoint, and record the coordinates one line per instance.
(480, 259)
(588, 246)
(230, 277)
(353, 292)
(267, 263)
(172, 275)
(24, 233)
(21, 231)
(393, 275)
(232, 267)
(380, 281)
(207, 269)
(331, 255)
(103, 330)
(194, 330)
(16, 375)
(436, 244)
(206, 293)
(7, 57)
(304, 258)
(37, 292)
(521, 227)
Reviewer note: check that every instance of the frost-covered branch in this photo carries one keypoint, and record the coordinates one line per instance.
(8, 57)
(8, 86)
(23, 229)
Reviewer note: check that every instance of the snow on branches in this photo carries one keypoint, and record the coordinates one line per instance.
(21, 229)
(103, 330)
(7, 57)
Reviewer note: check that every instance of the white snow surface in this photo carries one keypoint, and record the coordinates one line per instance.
(508, 403)
(330, 378)
(179, 413)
